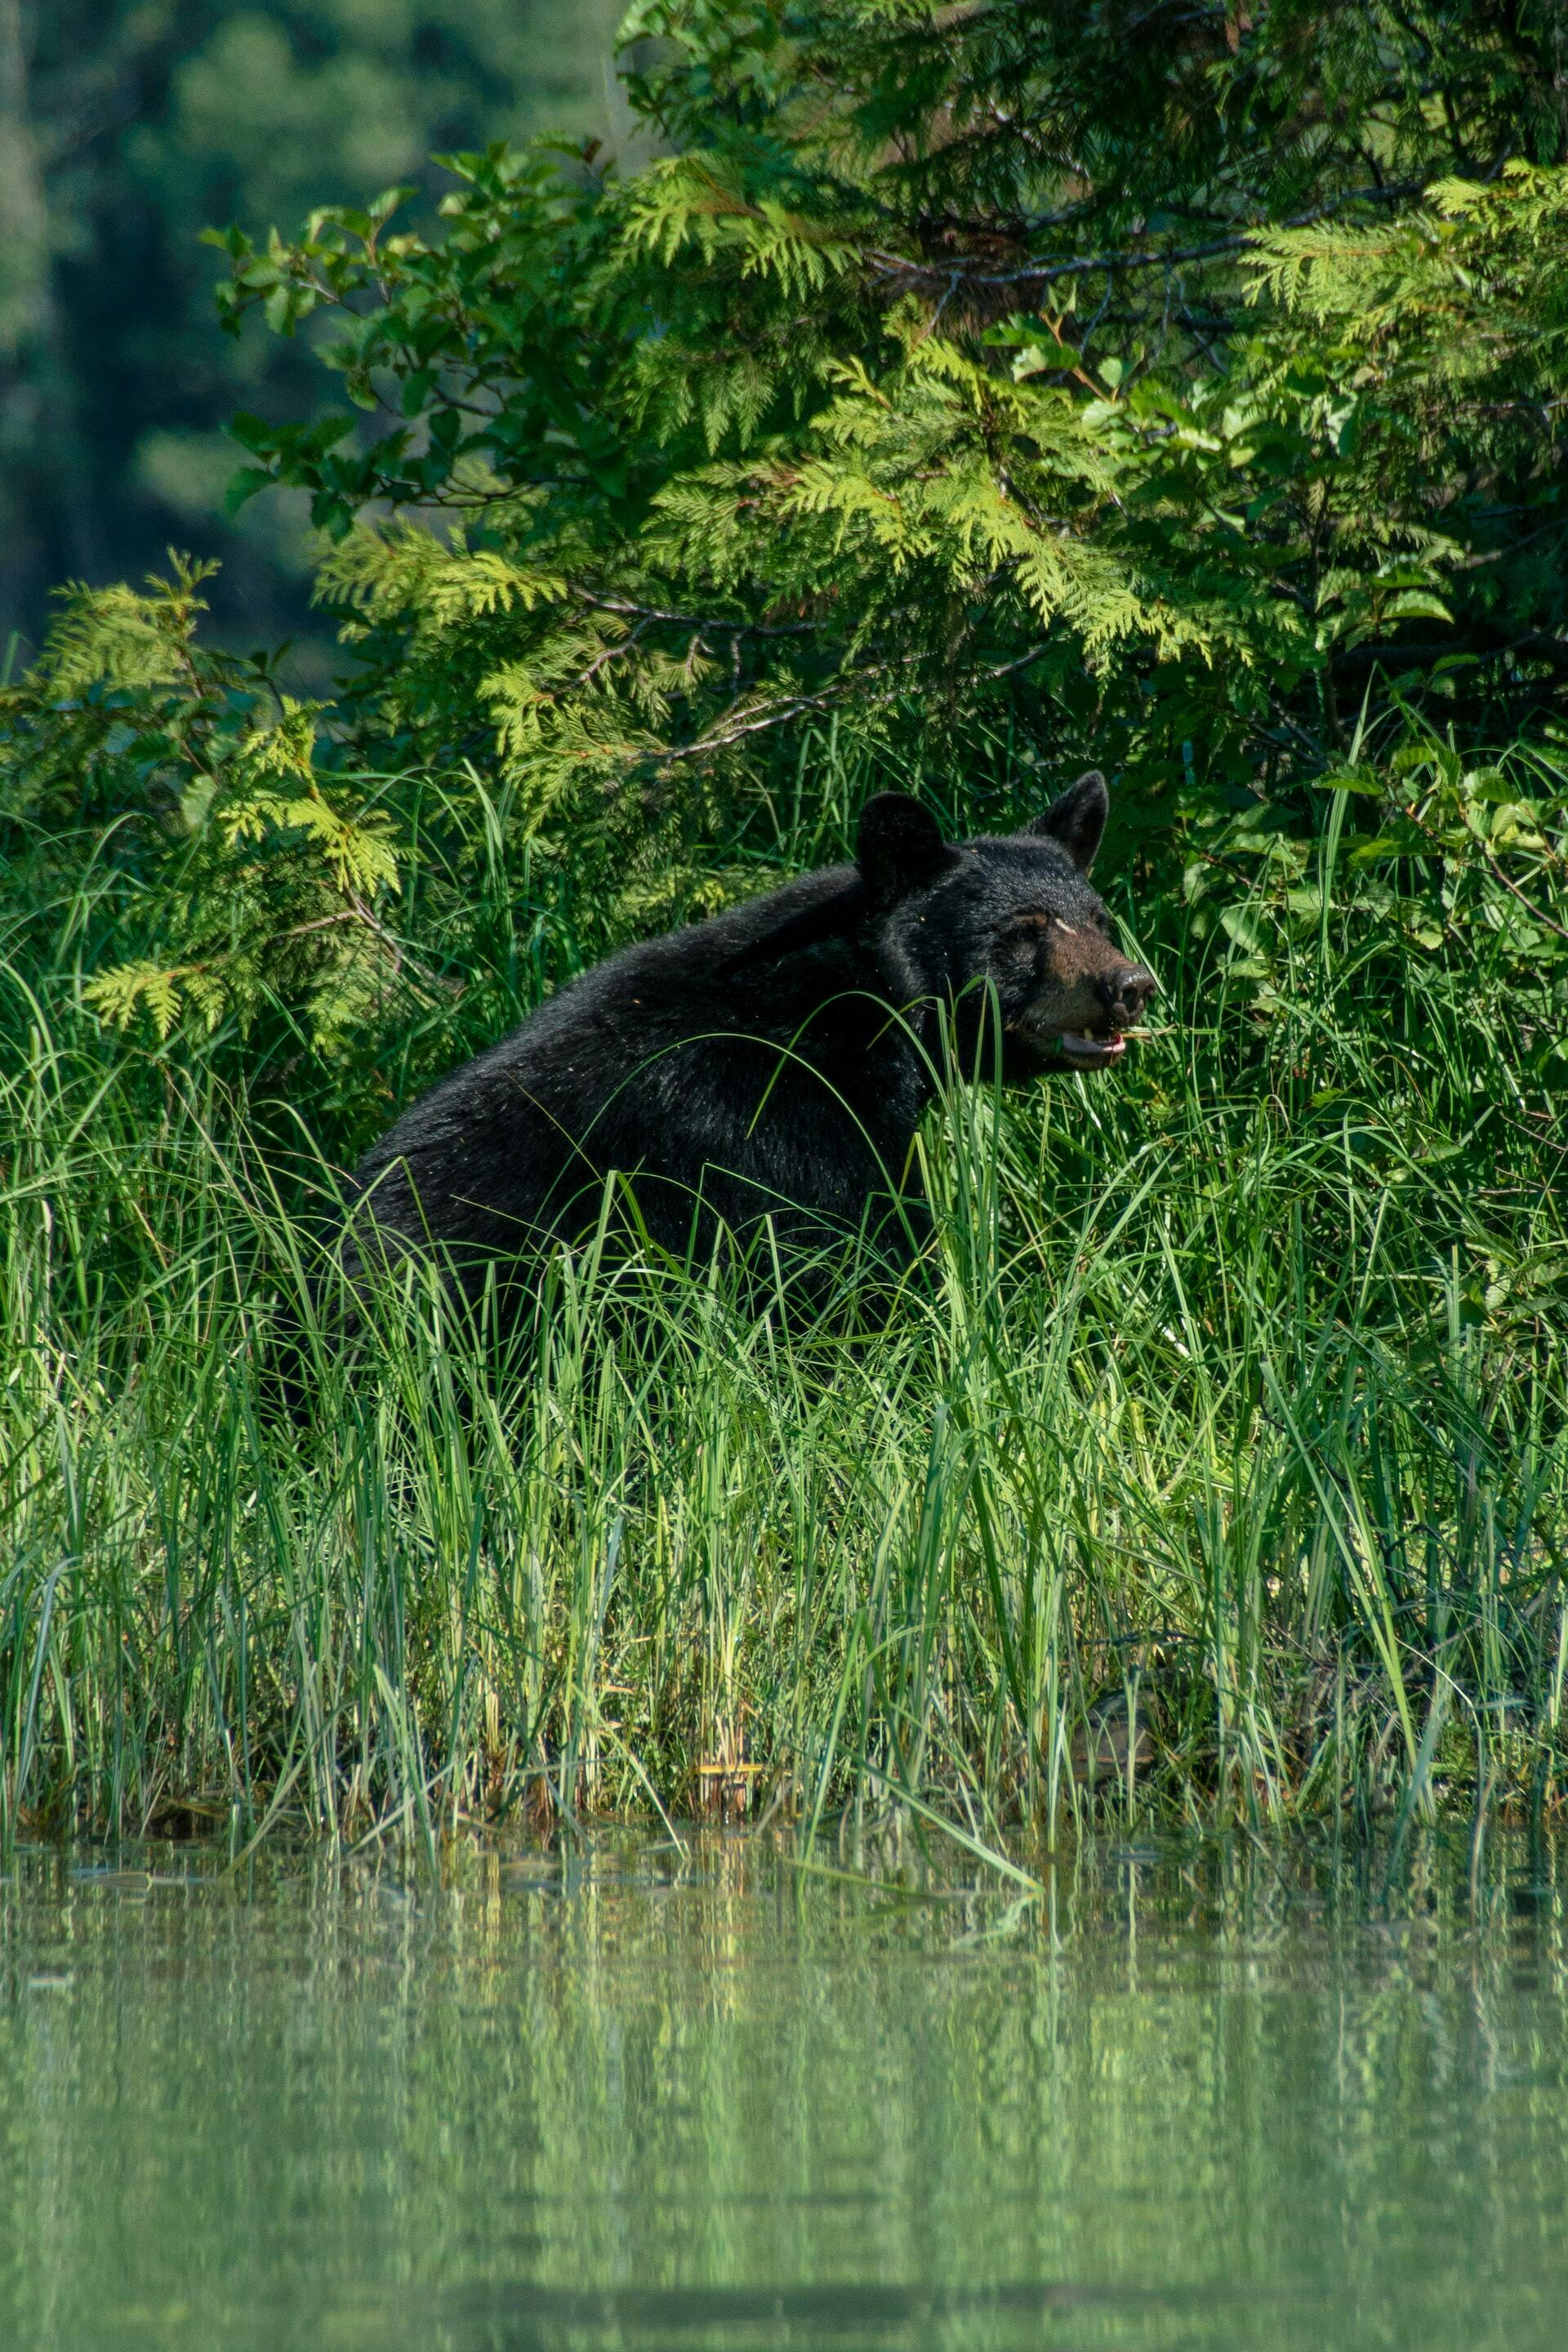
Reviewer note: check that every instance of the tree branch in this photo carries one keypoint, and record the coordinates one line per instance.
(1047, 272)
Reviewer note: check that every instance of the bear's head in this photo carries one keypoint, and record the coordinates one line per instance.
(1009, 921)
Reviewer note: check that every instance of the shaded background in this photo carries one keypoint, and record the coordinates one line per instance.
(127, 126)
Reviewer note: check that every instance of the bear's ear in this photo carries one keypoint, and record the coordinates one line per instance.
(1076, 819)
(900, 848)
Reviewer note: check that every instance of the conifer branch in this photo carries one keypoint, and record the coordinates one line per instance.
(1049, 271)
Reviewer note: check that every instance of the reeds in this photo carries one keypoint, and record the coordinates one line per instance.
(1213, 1466)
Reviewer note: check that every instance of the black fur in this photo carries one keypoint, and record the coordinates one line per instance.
(773, 1062)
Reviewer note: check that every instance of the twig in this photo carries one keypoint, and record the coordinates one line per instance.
(623, 604)
(605, 655)
(356, 911)
(784, 711)
(1044, 273)
(1530, 908)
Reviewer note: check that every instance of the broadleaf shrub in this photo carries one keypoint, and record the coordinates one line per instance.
(976, 393)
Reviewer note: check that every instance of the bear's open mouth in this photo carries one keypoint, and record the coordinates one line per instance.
(1079, 1047)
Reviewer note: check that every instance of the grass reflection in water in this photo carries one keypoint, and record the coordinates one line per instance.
(622, 2095)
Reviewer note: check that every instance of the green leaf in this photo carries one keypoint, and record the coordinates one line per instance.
(1244, 925)
(244, 484)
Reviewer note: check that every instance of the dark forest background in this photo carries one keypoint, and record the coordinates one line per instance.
(127, 126)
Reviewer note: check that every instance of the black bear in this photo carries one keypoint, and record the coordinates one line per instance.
(770, 1064)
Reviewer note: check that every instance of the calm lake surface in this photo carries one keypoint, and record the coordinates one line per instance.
(1226, 2098)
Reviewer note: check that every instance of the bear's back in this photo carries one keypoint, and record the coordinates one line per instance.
(660, 1057)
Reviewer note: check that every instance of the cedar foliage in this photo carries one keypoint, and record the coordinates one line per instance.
(988, 387)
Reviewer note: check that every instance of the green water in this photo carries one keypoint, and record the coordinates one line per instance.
(624, 2098)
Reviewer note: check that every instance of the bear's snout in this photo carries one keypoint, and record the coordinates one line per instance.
(1124, 991)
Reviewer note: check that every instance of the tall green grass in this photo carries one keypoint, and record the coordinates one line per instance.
(1215, 1467)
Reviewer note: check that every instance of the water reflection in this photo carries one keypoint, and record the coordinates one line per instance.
(1237, 2097)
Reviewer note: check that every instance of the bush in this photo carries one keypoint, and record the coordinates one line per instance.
(944, 392)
